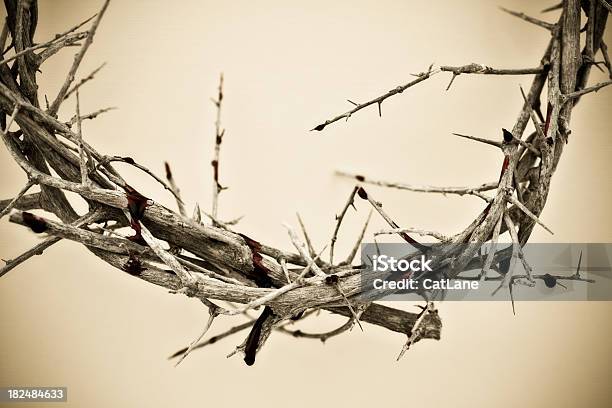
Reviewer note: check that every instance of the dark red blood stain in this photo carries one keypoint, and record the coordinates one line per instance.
(137, 204)
(398, 276)
(504, 167)
(413, 242)
(550, 281)
(252, 341)
(137, 238)
(504, 265)
(362, 193)
(36, 224)
(133, 266)
(486, 212)
(260, 274)
(298, 315)
(507, 135)
(331, 279)
(548, 116)
(215, 166)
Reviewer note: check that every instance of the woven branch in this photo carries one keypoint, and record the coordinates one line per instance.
(227, 265)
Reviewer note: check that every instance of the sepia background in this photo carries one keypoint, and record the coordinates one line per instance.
(68, 319)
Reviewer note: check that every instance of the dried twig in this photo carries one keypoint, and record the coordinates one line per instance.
(226, 225)
(318, 272)
(339, 218)
(10, 121)
(45, 44)
(39, 248)
(213, 311)
(128, 160)
(420, 78)
(604, 50)
(299, 281)
(228, 333)
(197, 213)
(303, 251)
(487, 265)
(91, 115)
(283, 264)
(528, 213)
(321, 336)
(351, 255)
(515, 241)
(82, 158)
(214, 339)
(77, 61)
(412, 338)
(553, 7)
(311, 249)
(594, 88)
(356, 314)
(187, 279)
(84, 80)
(378, 207)
(177, 192)
(607, 5)
(20, 194)
(529, 19)
(219, 133)
(534, 120)
(500, 144)
(421, 189)
(70, 40)
(29, 183)
(420, 232)
(486, 70)
(481, 140)
(507, 280)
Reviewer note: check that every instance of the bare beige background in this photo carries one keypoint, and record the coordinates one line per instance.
(69, 319)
